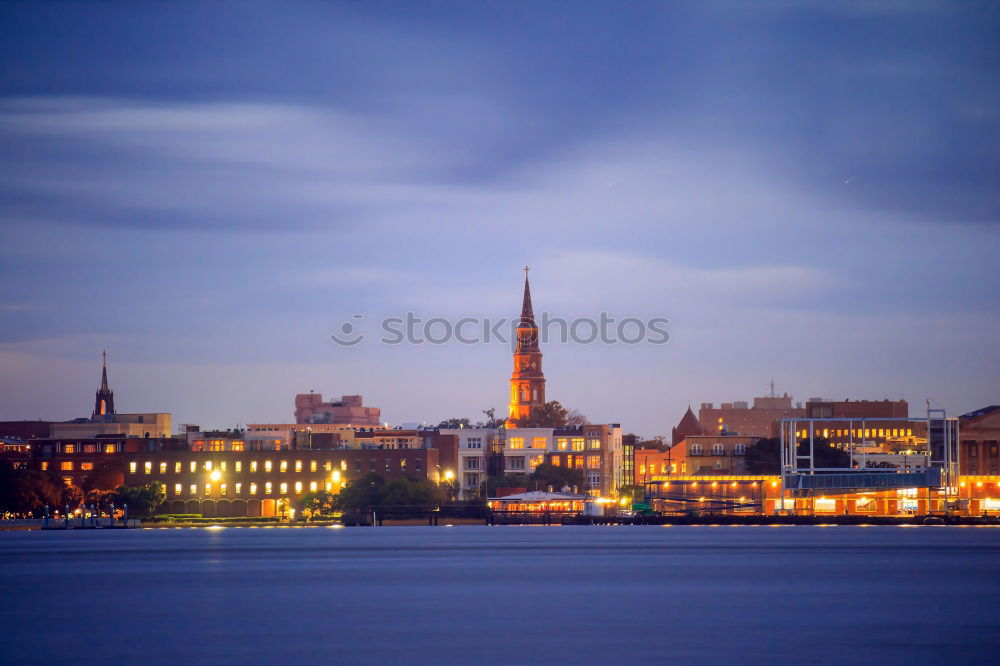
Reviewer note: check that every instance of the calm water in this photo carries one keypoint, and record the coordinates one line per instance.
(502, 595)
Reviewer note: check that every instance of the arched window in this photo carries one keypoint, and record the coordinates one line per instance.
(740, 449)
(718, 450)
(524, 394)
(696, 449)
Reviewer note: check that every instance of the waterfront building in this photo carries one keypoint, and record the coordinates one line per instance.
(710, 454)
(653, 463)
(350, 409)
(979, 448)
(537, 501)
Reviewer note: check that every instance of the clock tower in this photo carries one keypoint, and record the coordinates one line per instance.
(527, 383)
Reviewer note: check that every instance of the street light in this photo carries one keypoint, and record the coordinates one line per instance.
(215, 475)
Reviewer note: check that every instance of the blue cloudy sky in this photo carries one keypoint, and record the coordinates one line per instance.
(809, 192)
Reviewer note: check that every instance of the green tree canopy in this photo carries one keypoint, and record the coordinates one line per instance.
(454, 423)
(547, 474)
(28, 491)
(317, 504)
(141, 500)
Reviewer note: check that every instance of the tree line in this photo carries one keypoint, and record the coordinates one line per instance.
(25, 492)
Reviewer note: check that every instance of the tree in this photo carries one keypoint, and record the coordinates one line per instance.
(552, 475)
(491, 419)
(454, 423)
(549, 415)
(28, 491)
(361, 494)
(141, 500)
(508, 481)
(317, 504)
(71, 496)
(764, 457)
(576, 419)
(634, 493)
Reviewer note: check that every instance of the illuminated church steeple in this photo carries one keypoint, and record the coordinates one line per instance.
(527, 383)
(104, 403)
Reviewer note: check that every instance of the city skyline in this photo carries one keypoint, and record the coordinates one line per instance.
(211, 214)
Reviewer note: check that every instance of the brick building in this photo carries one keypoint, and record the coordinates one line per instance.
(310, 408)
(741, 419)
(979, 442)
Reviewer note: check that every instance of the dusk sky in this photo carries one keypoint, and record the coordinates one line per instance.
(208, 190)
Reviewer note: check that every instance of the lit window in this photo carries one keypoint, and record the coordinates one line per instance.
(253, 465)
(535, 461)
(328, 466)
(194, 489)
(237, 446)
(222, 466)
(253, 488)
(147, 467)
(69, 448)
(343, 465)
(87, 466)
(562, 443)
(45, 466)
(284, 465)
(109, 448)
(313, 486)
(267, 465)
(208, 465)
(329, 486)
(539, 443)
(593, 444)
(163, 468)
(312, 465)
(593, 462)
(238, 488)
(238, 466)
(68, 480)
(267, 488)
(131, 467)
(283, 488)
(555, 460)
(177, 489)
(208, 490)
(298, 487)
(577, 443)
(298, 466)
(222, 489)
(515, 443)
(177, 467)
(66, 466)
(194, 466)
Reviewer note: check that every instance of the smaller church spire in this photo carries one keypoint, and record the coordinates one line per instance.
(104, 401)
(527, 316)
(104, 371)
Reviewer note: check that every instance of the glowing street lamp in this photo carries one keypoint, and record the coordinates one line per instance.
(215, 475)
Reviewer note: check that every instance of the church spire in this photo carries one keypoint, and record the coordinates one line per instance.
(527, 383)
(104, 371)
(527, 316)
(104, 402)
